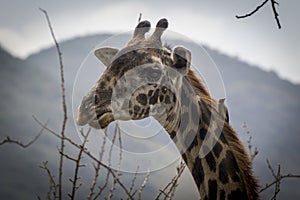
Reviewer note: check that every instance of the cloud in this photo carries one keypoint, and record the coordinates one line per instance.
(15, 42)
(256, 40)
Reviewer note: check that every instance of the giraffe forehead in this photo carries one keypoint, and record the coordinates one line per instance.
(137, 59)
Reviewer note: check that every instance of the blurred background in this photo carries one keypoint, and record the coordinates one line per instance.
(258, 63)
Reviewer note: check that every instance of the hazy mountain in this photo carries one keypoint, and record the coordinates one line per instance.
(25, 91)
(269, 105)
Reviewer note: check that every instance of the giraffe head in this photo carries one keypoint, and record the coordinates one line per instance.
(147, 79)
(140, 80)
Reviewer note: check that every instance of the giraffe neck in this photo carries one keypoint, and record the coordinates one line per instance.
(215, 157)
(211, 156)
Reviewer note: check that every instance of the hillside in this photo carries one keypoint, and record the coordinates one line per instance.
(25, 91)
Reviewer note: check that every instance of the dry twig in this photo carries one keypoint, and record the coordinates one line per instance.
(97, 168)
(278, 177)
(75, 187)
(253, 153)
(116, 131)
(273, 3)
(52, 184)
(109, 169)
(64, 106)
(143, 185)
(172, 184)
(133, 181)
(21, 144)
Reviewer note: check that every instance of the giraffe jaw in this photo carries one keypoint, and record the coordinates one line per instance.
(105, 119)
(95, 121)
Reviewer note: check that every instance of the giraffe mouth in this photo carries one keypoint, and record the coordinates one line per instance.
(103, 120)
(95, 120)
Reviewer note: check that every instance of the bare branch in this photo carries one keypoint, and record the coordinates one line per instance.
(278, 177)
(68, 157)
(77, 166)
(110, 170)
(21, 144)
(273, 3)
(64, 106)
(254, 153)
(52, 185)
(172, 184)
(271, 169)
(268, 185)
(116, 131)
(254, 11)
(174, 181)
(97, 168)
(277, 185)
(101, 188)
(143, 185)
(133, 180)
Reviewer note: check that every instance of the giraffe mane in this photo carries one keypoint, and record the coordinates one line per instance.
(199, 87)
(230, 136)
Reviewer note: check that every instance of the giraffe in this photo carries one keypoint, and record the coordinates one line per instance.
(158, 80)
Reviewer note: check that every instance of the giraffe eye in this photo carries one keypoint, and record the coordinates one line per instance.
(151, 74)
(155, 74)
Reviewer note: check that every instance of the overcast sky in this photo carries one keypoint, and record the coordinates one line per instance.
(257, 40)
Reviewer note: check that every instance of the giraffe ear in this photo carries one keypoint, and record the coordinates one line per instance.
(181, 59)
(106, 54)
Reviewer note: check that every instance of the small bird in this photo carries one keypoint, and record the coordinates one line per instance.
(223, 111)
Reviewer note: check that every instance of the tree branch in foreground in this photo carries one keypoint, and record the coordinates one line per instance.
(278, 177)
(75, 187)
(21, 144)
(171, 186)
(52, 193)
(253, 153)
(86, 152)
(273, 3)
(64, 106)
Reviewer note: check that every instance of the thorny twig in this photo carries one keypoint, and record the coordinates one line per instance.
(78, 165)
(52, 185)
(116, 131)
(64, 106)
(101, 189)
(254, 153)
(273, 3)
(143, 185)
(133, 181)
(278, 177)
(97, 167)
(109, 169)
(21, 144)
(180, 169)
(172, 184)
